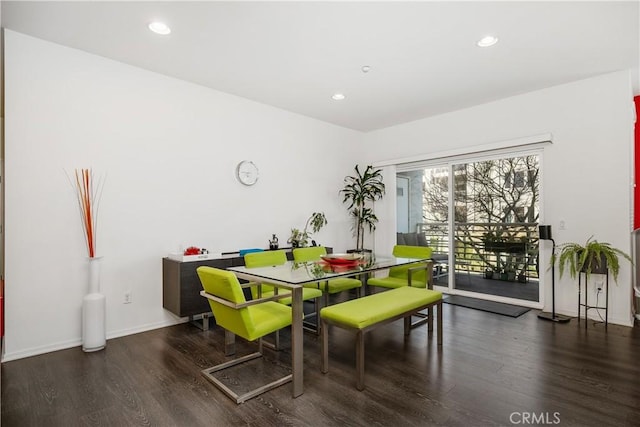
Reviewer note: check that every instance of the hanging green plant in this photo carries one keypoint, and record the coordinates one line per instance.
(592, 257)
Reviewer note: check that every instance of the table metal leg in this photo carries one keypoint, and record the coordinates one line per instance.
(296, 341)
(324, 343)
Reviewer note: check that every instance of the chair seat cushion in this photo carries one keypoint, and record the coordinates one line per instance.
(336, 285)
(342, 284)
(366, 311)
(268, 317)
(394, 282)
(307, 294)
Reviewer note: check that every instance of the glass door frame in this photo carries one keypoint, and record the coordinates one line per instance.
(477, 157)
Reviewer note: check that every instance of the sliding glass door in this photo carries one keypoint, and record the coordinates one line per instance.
(484, 231)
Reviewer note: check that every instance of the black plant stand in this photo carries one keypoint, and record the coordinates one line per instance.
(586, 305)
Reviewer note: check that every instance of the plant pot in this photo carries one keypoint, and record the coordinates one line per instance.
(495, 247)
(488, 274)
(511, 276)
(515, 247)
(600, 268)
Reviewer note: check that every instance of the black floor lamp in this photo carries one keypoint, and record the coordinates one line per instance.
(544, 232)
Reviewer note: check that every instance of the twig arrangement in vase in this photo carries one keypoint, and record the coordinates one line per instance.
(88, 193)
(88, 196)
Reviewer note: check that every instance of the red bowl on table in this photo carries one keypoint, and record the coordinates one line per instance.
(343, 260)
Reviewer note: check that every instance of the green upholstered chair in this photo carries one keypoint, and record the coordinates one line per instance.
(399, 276)
(250, 320)
(279, 257)
(419, 274)
(331, 286)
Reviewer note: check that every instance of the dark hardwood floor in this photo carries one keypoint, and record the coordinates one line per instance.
(492, 370)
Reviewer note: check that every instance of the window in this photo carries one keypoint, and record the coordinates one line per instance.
(515, 178)
(473, 202)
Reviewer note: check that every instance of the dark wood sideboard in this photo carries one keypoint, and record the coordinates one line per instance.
(181, 286)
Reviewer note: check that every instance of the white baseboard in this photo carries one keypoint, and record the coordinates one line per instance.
(63, 345)
(34, 351)
(145, 328)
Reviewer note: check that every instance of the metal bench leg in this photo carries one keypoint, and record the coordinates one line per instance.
(324, 344)
(360, 360)
(439, 309)
(407, 325)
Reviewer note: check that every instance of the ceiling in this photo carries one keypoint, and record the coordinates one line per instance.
(295, 55)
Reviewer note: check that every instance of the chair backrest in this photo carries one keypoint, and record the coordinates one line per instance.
(402, 271)
(311, 253)
(224, 284)
(264, 259)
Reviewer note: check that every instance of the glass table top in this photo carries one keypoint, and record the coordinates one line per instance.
(299, 273)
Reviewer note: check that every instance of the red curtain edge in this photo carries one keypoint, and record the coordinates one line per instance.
(636, 192)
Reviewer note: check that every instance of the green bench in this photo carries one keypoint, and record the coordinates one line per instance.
(366, 313)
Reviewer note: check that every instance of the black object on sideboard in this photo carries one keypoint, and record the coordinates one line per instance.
(181, 286)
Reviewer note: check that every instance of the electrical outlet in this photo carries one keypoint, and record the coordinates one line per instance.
(598, 286)
(127, 297)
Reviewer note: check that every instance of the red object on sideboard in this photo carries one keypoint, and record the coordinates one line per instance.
(636, 191)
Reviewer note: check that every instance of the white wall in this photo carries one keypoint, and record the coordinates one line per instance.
(169, 149)
(587, 171)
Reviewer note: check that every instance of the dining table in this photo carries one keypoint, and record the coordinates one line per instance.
(292, 276)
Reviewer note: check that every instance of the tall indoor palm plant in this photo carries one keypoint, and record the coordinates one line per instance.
(358, 191)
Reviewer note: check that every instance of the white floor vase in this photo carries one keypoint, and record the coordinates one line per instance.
(94, 311)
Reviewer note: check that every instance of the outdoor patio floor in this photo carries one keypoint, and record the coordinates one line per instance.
(474, 282)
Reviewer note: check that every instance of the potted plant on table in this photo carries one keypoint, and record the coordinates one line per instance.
(359, 190)
(300, 239)
(591, 258)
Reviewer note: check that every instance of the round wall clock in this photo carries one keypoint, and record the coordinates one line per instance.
(247, 172)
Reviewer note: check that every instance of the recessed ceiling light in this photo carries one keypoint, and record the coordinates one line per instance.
(338, 97)
(160, 28)
(366, 68)
(487, 41)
